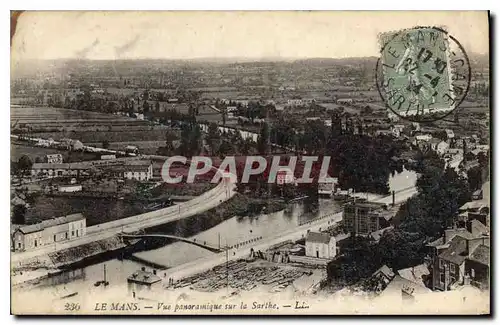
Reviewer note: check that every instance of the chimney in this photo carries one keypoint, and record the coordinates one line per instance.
(445, 236)
(393, 197)
(467, 280)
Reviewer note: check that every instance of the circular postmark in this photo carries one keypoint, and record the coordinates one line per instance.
(423, 73)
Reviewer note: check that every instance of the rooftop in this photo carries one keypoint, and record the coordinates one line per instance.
(481, 255)
(366, 204)
(143, 277)
(138, 163)
(415, 274)
(457, 252)
(376, 235)
(473, 205)
(51, 223)
(400, 284)
(385, 270)
(478, 229)
(435, 140)
(318, 237)
(60, 166)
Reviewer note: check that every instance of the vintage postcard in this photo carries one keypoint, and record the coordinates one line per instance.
(250, 163)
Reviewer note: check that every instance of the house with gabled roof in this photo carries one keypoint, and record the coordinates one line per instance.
(454, 250)
(320, 245)
(49, 231)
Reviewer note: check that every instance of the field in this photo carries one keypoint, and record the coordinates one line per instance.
(18, 150)
(123, 136)
(145, 147)
(42, 114)
(331, 106)
(90, 128)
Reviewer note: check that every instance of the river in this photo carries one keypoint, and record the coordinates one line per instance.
(229, 232)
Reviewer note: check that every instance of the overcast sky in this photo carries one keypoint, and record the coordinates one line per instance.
(176, 35)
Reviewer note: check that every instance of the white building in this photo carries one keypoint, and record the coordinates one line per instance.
(442, 147)
(423, 137)
(54, 159)
(139, 170)
(57, 170)
(320, 245)
(284, 175)
(450, 134)
(70, 188)
(108, 157)
(132, 149)
(327, 188)
(49, 231)
(397, 130)
(295, 102)
(344, 101)
(280, 107)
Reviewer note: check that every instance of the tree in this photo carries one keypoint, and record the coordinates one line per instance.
(441, 135)
(19, 214)
(474, 177)
(367, 110)
(225, 148)
(24, 163)
(399, 249)
(170, 137)
(213, 138)
(191, 139)
(436, 206)
(145, 107)
(246, 146)
(224, 116)
(263, 140)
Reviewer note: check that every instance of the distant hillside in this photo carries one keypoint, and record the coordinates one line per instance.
(479, 61)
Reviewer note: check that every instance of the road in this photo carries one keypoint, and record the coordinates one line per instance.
(203, 264)
(210, 199)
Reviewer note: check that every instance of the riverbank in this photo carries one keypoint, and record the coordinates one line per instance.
(250, 275)
(33, 272)
(240, 205)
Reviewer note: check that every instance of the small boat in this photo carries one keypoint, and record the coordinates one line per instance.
(103, 282)
(70, 295)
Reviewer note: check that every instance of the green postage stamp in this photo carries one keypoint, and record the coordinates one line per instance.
(423, 73)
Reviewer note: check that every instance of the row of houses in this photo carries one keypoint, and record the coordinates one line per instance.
(131, 169)
(48, 232)
(459, 257)
(459, 254)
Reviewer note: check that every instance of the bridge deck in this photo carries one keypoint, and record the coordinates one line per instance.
(185, 240)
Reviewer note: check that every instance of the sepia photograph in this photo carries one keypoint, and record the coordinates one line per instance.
(250, 163)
